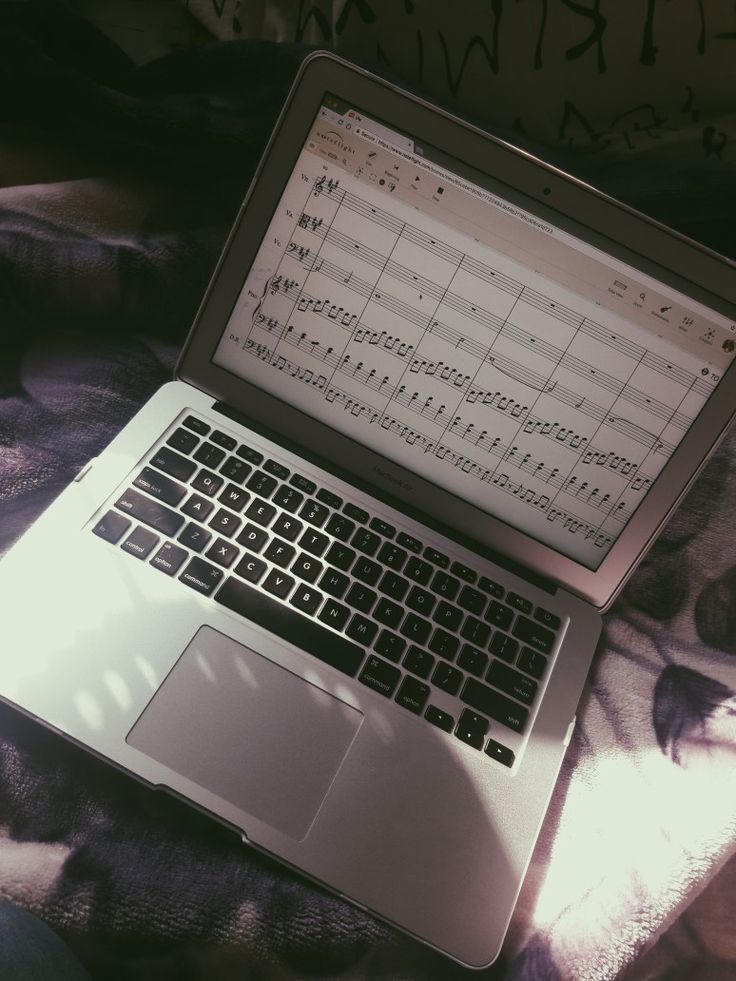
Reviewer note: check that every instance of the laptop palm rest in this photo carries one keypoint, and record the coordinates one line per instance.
(247, 730)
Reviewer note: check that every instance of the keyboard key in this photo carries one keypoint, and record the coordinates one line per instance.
(150, 512)
(307, 567)
(492, 588)
(546, 618)
(198, 507)
(412, 695)
(169, 558)
(334, 614)
(380, 676)
(382, 527)
(194, 537)
(437, 717)
(340, 527)
(183, 440)
(447, 678)
(235, 469)
(303, 483)
(361, 597)
(532, 662)
(222, 439)
(173, 464)
(290, 625)
(261, 512)
(445, 585)
(471, 729)
(418, 571)
(250, 568)
(534, 634)
(261, 483)
(437, 558)
(196, 425)
(448, 616)
(252, 456)
(393, 585)
(157, 485)
(473, 660)
(252, 537)
(287, 498)
(335, 583)
(392, 556)
(367, 571)
(361, 630)
(141, 542)
(306, 598)
(475, 631)
(328, 498)
(463, 572)
(287, 526)
(314, 542)
(421, 601)
(500, 753)
(499, 615)
(207, 482)
(234, 497)
(493, 703)
(418, 661)
(316, 514)
(279, 552)
(501, 676)
(365, 541)
(278, 583)
(201, 576)
(111, 527)
(471, 600)
(416, 628)
(388, 612)
(519, 602)
(225, 522)
(340, 556)
(356, 513)
(444, 644)
(277, 469)
(503, 646)
(222, 552)
(390, 645)
(409, 542)
(209, 455)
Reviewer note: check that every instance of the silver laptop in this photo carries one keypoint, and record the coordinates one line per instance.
(339, 584)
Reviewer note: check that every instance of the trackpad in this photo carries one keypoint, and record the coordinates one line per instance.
(247, 730)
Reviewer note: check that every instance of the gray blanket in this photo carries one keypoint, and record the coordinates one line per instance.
(104, 253)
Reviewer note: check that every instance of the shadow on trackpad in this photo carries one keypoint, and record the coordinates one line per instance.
(247, 730)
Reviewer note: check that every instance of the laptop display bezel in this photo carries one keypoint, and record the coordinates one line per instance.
(571, 205)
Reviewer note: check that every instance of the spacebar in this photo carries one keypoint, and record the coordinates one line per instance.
(291, 626)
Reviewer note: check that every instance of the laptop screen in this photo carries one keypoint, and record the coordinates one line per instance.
(416, 309)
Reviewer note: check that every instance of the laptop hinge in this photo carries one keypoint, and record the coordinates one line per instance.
(417, 514)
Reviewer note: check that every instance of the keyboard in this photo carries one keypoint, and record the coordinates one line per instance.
(346, 586)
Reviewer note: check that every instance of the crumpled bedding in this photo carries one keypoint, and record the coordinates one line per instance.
(103, 257)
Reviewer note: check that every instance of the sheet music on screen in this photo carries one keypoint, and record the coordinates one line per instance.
(475, 344)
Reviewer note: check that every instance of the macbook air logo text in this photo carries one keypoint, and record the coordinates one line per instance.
(386, 475)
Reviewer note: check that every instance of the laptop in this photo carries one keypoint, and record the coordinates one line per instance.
(339, 584)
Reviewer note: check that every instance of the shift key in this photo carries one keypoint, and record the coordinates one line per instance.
(150, 512)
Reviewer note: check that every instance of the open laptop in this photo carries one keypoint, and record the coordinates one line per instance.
(339, 584)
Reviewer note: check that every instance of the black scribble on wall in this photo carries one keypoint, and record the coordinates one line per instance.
(641, 119)
(689, 107)
(684, 701)
(577, 132)
(408, 6)
(366, 13)
(219, 8)
(302, 22)
(598, 27)
(454, 82)
(540, 37)
(714, 141)
(237, 26)
(649, 50)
